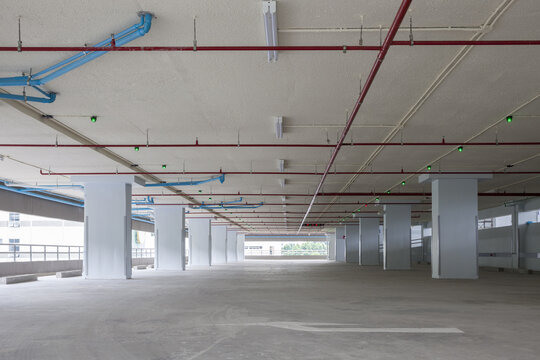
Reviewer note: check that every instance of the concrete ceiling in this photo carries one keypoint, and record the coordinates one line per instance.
(222, 97)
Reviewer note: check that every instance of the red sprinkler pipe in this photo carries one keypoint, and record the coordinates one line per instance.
(287, 204)
(468, 42)
(294, 173)
(343, 48)
(334, 194)
(369, 81)
(199, 145)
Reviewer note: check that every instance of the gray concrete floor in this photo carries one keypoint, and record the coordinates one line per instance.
(239, 312)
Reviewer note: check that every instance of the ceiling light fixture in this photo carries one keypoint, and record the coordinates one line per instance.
(279, 127)
(270, 27)
(281, 165)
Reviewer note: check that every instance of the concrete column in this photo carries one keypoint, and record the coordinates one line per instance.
(352, 243)
(219, 245)
(240, 240)
(397, 237)
(107, 226)
(369, 241)
(170, 238)
(454, 244)
(340, 243)
(231, 246)
(331, 238)
(200, 242)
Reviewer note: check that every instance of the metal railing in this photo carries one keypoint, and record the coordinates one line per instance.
(261, 252)
(14, 252)
(142, 253)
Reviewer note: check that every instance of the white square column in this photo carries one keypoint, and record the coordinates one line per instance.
(240, 240)
(369, 241)
(397, 237)
(170, 238)
(352, 243)
(231, 246)
(219, 245)
(200, 242)
(107, 225)
(340, 243)
(454, 240)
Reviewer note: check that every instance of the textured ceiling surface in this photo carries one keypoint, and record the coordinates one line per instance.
(420, 94)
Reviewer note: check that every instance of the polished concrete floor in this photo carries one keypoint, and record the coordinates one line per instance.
(273, 310)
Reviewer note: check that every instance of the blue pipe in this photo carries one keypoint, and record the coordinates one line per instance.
(122, 38)
(221, 179)
(148, 201)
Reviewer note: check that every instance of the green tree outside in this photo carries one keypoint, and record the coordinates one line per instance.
(306, 248)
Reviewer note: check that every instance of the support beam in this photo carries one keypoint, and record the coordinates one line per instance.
(397, 237)
(107, 225)
(200, 242)
(170, 238)
(352, 243)
(369, 242)
(219, 244)
(454, 246)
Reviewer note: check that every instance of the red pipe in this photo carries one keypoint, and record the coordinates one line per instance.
(199, 145)
(290, 217)
(333, 194)
(468, 42)
(369, 81)
(191, 48)
(293, 173)
(271, 48)
(288, 204)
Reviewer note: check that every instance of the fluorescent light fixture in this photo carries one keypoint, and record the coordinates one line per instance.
(279, 127)
(281, 165)
(282, 183)
(283, 198)
(270, 27)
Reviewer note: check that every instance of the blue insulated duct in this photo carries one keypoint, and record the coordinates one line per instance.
(41, 78)
(221, 179)
(227, 205)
